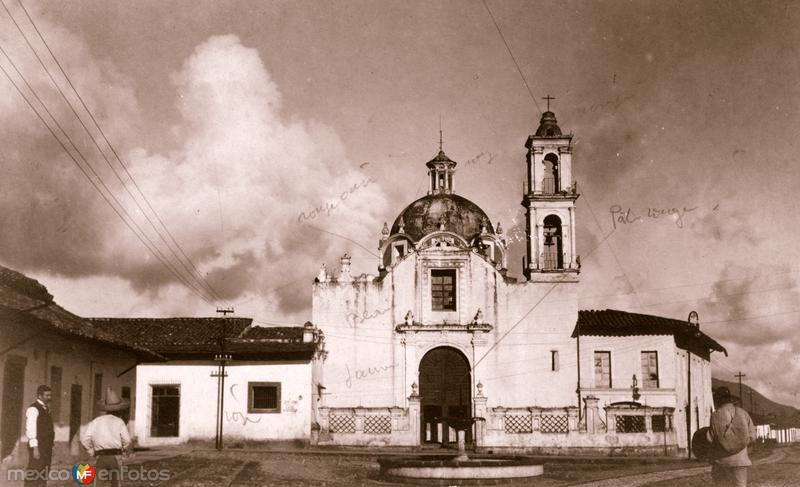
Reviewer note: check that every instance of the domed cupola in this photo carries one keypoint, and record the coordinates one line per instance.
(442, 218)
(548, 125)
(441, 170)
(445, 212)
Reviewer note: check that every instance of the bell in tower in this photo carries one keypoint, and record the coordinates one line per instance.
(549, 199)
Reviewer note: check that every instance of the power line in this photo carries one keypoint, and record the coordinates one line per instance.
(530, 92)
(200, 280)
(119, 211)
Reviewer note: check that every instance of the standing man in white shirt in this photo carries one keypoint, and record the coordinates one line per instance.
(40, 433)
(107, 437)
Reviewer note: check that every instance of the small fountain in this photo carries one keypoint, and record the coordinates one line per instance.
(461, 467)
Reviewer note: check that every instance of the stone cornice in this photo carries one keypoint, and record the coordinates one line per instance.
(418, 327)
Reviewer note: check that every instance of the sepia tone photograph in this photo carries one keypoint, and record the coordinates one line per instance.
(361, 242)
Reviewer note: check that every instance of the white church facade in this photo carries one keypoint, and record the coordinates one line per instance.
(442, 336)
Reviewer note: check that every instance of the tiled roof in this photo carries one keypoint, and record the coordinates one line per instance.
(173, 334)
(279, 333)
(24, 285)
(201, 336)
(610, 322)
(27, 302)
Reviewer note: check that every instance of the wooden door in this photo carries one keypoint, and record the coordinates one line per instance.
(13, 399)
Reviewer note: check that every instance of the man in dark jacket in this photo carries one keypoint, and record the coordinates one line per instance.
(40, 433)
(731, 431)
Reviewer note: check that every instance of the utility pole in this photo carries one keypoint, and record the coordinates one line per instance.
(692, 322)
(740, 375)
(221, 358)
(752, 411)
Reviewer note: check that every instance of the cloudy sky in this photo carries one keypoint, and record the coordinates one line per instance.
(236, 118)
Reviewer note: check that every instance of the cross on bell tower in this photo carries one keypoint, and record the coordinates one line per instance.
(548, 98)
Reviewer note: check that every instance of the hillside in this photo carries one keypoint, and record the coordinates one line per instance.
(761, 409)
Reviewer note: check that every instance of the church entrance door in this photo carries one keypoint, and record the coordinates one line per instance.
(444, 386)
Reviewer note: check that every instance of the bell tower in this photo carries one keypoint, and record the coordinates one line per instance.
(549, 198)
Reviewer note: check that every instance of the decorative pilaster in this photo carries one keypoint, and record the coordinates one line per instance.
(592, 415)
(480, 412)
(414, 416)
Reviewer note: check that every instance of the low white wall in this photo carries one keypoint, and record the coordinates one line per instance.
(198, 401)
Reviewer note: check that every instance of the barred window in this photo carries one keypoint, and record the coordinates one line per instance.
(263, 397)
(443, 289)
(660, 424)
(630, 424)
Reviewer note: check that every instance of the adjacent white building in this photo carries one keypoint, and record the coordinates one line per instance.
(267, 387)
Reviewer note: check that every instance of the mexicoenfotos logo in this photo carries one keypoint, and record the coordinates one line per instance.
(83, 474)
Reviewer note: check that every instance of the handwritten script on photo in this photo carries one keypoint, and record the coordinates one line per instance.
(487, 157)
(327, 207)
(627, 216)
(361, 374)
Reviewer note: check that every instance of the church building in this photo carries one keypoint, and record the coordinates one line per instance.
(442, 336)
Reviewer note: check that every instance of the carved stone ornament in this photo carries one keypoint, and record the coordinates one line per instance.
(479, 387)
(409, 318)
(499, 229)
(442, 222)
(385, 230)
(443, 241)
(344, 273)
(323, 274)
(414, 389)
(478, 317)
(401, 225)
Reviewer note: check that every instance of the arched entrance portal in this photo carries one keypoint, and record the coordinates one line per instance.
(444, 387)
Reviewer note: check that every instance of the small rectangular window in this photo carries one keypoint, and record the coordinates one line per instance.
(165, 412)
(443, 289)
(554, 360)
(602, 370)
(650, 370)
(263, 397)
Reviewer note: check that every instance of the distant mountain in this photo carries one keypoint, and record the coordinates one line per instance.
(760, 408)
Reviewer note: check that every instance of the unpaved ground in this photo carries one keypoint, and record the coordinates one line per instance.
(248, 468)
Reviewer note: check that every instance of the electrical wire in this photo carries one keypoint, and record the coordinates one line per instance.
(193, 274)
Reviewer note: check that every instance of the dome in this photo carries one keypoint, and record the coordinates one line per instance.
(461, 216)
(548, 126)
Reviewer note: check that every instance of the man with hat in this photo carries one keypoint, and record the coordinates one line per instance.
(731, 431)
(107, 437)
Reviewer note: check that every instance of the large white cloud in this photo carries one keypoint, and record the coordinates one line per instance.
(231, 193)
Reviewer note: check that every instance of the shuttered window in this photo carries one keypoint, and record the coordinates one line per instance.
(602, 370)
